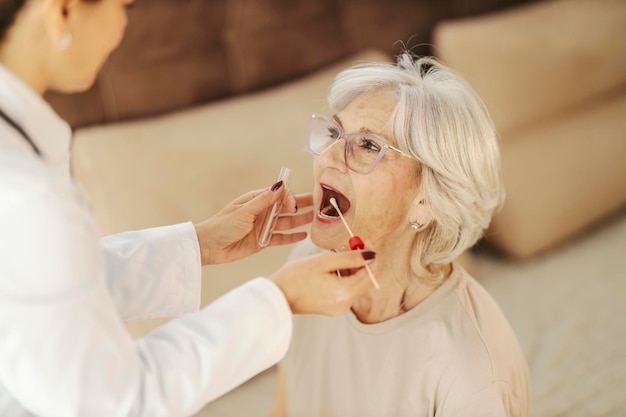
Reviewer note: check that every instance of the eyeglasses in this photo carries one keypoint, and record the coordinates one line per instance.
(362, 151)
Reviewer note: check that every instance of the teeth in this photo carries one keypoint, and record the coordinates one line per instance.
(333, 201)
(329, 210)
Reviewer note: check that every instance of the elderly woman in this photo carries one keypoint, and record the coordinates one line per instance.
(411, 158)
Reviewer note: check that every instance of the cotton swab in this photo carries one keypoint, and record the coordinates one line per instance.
(355, 241)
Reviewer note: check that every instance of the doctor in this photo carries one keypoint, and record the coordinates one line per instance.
(64, 293)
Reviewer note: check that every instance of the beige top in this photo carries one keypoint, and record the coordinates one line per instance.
(455, 354)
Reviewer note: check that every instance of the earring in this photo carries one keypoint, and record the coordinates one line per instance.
(64, 41)
(415, 225)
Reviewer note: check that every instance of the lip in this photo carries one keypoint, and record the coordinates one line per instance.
(324, 219)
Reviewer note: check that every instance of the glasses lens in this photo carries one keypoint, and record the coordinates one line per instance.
(363, 152)
(322, 134)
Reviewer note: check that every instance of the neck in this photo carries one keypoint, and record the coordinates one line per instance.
(400, 289)
(23, 53)
(27, 75)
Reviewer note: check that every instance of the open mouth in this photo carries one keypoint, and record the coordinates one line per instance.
(326, 208)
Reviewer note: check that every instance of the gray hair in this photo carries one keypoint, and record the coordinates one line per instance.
(442, 122)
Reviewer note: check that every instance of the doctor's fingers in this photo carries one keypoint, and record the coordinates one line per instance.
(285, 223)
(333, 261)
(293, 203)
(256, 202)
(330, 294)
(291, 221)
(244, 198)
(312, 286)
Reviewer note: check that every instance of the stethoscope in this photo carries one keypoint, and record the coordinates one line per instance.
(21, 131)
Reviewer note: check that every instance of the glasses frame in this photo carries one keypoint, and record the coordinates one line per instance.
(347, 137)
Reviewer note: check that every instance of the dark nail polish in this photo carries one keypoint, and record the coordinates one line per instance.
(296, 207)
(277, 185)
(367, 255)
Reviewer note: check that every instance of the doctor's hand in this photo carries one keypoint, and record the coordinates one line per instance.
(312, 285)
(233, 232)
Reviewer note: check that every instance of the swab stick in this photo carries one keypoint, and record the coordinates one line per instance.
(355, 241)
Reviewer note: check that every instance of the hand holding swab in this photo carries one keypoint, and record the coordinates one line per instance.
(355, 241)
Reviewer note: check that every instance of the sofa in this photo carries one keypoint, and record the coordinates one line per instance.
(204, 101)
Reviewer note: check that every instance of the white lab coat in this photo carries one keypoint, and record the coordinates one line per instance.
(65, 293)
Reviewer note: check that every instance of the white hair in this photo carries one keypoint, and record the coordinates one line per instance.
(442, 122)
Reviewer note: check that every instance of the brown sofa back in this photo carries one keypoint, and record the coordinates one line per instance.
(178, 53)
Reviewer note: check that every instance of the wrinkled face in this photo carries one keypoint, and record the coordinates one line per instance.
(376, 205)
(97, 28)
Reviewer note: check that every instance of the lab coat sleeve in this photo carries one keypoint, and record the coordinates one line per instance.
(64, 350)
(154, 272)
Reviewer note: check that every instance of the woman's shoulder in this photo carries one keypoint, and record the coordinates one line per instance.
(491, 330)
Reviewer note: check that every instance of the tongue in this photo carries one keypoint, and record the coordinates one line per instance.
(329, 210)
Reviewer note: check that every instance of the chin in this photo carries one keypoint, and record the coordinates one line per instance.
(319, 241)
(80, 86)
(75, 81)
(324, 241)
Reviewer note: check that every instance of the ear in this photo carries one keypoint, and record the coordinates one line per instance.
(56, 16)
(420, 210)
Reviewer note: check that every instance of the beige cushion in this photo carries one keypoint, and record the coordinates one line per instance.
(561, 178)
(553, 75)
(540, 59)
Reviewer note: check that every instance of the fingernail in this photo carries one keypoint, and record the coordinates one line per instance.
(367, 255)
(296, 207)
(333, 250)
(277, 185)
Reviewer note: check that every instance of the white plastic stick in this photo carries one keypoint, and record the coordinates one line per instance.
(333, 201)
(336, 206)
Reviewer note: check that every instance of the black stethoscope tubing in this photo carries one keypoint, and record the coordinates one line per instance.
(21, 131)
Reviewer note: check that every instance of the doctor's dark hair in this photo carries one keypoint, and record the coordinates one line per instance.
(9, 9)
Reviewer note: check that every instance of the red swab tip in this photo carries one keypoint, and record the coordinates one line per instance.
(356, 243)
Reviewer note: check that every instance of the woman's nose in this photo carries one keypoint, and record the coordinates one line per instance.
(334, 156)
